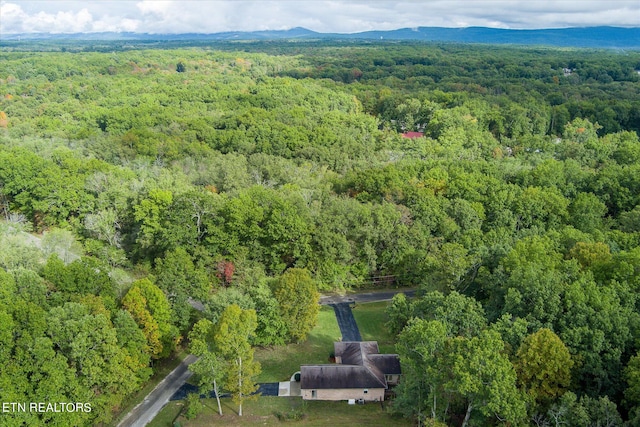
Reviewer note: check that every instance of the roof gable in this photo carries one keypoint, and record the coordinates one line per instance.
(360, 367)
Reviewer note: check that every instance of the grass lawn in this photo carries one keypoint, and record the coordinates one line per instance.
(263, 412)
(161, 370)
(371, 319)
(279, 363)
(169, 413)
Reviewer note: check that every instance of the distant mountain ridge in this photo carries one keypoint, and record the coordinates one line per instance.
(599, 37)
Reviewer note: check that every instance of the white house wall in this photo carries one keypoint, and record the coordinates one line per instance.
(372, 395)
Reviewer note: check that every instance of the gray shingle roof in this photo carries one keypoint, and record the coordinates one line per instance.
(337, 376)
(361, 367)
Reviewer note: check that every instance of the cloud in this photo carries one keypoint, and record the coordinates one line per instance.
(156, 16)
(15, 19)
(154, 6)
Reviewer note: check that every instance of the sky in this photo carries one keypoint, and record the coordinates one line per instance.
(340, 16)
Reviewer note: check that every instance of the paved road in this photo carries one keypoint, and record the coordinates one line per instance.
(364, 297)
(372, 296)
(346, 322)
(142, 414)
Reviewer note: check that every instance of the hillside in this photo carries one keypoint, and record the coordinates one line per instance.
(594, 37)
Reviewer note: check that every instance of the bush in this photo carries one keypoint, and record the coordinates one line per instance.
(292, 415)
(194, 406)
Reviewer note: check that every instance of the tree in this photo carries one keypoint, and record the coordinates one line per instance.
(90, 344)
(630, 220)
(484, 376)
(442, 371)
(105, 225)
(133, 340)
(586, 212)
(398, 312)
(231, 337)
(180, 279)
(150, 308)
(421, 347)
(539, 207)
(462, 315)
(272, 328)
(543, 365)
(448, 267)
(297, 295)
(149, 213)
(587, 411)
(209, 367)
(63, 243)
(632, 377)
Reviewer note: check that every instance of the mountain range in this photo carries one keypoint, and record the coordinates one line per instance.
(598, 37)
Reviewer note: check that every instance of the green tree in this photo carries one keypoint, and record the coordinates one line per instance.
(90, 344)
(398, 312)
(447, 268)
(443, 371)
(209, 368)
(543, 365)
(587, 212)
(297, 295)
(151, 310)
(149, 214)
(181, 279)
(483, 375)
(421, 347)
(231, 336)
(462, 315)
(632, 378)
(133, 340)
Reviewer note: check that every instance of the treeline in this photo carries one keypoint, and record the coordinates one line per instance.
(560, 85)
(157, 181)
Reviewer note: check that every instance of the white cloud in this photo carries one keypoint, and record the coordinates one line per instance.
(157, 16)
(158, 7)
(17, 20)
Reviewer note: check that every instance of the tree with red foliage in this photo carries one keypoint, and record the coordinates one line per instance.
(225, 272)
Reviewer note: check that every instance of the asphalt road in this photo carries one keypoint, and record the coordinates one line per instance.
(373, 296)
(364, 297)
(142, 414)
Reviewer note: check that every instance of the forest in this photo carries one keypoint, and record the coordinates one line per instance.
(139, 183)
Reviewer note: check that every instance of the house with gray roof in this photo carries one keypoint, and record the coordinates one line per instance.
(360, 373)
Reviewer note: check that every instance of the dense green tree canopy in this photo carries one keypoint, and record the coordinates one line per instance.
(145, 191)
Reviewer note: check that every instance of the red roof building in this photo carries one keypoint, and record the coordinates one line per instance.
(413, 135)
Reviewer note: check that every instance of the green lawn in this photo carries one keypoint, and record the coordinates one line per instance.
(263, 412)
(279, 363)
(371, 319)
